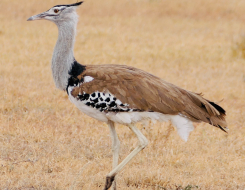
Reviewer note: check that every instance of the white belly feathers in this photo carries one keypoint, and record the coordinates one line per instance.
(105, 107)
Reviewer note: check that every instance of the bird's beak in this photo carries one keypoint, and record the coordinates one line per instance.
(37, 17)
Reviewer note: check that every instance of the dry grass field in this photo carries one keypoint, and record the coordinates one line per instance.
(46, 143)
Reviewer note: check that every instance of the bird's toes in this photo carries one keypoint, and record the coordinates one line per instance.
(108, 182)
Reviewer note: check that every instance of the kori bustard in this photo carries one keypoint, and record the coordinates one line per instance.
(122, 94)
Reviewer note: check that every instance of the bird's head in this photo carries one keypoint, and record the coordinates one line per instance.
(59, 13)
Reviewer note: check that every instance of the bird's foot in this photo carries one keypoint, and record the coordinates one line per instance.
(108, 182)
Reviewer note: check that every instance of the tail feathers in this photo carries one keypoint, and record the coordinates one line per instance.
(219, 120)
(223, 129)
(206, 111)
(217, 107)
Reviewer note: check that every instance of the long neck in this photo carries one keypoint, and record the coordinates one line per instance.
(63, 56)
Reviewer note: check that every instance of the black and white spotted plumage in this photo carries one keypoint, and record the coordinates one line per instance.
(104, 102)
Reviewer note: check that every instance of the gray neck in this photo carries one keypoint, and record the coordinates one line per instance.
(63, 56)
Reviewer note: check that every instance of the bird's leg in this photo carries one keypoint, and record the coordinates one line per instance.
(115, 148)
(142, 144)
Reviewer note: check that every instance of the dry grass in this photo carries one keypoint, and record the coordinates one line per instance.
(46, 143)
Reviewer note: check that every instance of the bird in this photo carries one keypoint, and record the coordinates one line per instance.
(121, 94)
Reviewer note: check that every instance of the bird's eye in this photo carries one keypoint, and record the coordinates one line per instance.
(56, 10)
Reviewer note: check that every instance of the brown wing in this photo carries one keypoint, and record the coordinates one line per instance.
(147, 92)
